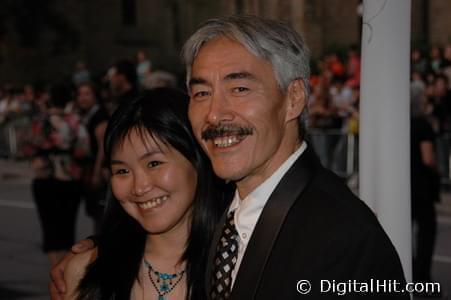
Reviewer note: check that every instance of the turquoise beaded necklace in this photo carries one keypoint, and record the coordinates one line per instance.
(165, 282)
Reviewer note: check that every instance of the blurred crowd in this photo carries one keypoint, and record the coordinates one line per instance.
(334, 108)
(60, 128)
(430, 126)
(431, 99)
(333, 104)
(20, 105)
(335, 97)
(432, 73)
(334, 101)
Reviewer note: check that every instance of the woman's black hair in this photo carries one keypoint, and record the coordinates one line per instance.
(161, 112)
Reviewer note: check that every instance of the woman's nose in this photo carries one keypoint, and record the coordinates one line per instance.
(141, 185)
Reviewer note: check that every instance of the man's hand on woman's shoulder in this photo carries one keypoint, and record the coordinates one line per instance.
(57, 284)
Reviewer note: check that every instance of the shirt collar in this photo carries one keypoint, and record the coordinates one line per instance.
(260, 195)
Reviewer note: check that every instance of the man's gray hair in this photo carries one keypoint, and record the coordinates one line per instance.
(270, 40)
(417, 99)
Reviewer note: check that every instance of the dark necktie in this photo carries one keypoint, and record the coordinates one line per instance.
(225, 260)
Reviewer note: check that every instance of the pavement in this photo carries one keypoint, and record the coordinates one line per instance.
(24, 268)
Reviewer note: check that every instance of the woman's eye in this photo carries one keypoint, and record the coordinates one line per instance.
(120, 172)
(154, 163)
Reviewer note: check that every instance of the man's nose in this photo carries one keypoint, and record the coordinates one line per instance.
(219, 109)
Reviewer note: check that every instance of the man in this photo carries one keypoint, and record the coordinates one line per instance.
(143, 68)
(290, 219)
(94, 178)
(123, 83)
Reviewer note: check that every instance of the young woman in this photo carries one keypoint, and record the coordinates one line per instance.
(158, 227)
(59, 145)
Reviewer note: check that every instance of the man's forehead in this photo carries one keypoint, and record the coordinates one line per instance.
(212, 46)
(228, 55)
(233, 75)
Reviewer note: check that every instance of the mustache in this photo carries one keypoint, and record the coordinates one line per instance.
(225, 130)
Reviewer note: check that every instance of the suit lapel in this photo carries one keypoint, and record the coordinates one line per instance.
(270, 223)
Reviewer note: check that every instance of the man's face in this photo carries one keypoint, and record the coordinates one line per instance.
(85, 98)
(115, 80)
(238, 113)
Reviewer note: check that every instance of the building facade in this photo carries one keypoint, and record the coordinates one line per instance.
(112, 29)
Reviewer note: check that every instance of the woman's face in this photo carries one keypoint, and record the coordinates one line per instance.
(416, 55)
(85, 98)
(440, 87)
(154, 183)
(435, 52)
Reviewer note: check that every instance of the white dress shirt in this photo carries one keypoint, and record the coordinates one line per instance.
(248, 210)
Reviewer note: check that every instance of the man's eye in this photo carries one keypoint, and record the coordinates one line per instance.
(201, 94)
(154, 163)
(240, 89)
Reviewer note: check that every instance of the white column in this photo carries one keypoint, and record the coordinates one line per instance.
(385, 120)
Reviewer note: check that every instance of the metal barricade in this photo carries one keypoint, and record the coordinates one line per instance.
(338, 151)
(443, 145)
(13, 136)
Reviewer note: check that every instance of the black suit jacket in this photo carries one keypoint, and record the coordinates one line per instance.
(314, 228)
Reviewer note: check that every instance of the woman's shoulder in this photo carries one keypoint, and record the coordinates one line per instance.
(81, 260)
(75, 271)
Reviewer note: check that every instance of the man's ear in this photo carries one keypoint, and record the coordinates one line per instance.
(296, 97)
